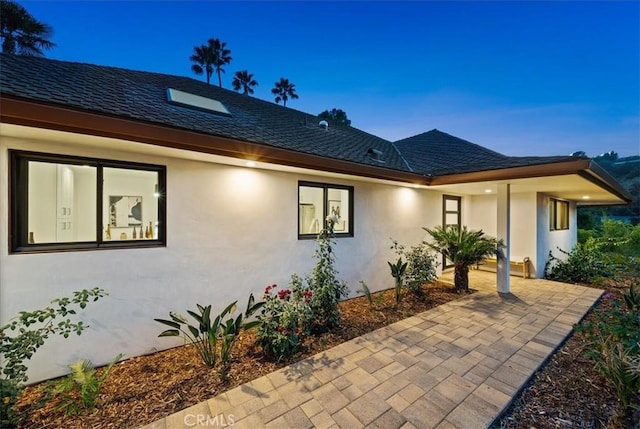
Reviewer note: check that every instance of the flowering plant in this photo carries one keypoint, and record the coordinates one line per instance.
(284, 318)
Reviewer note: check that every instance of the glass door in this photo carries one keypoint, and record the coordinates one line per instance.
(451, 216)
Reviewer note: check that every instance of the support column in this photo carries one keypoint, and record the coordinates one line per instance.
(504, 233)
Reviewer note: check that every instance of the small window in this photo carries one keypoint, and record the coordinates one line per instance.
(558, 214)
(316, 201)
(66, 203)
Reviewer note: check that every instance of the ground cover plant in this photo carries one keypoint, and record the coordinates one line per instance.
(21, 338)
(143, 389)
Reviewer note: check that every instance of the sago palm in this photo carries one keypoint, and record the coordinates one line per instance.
(283, 90)
(243, 80)
(21, 33)
(463, 248)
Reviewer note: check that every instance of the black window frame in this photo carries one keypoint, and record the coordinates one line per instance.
(554, 203)
(18, 203)
(325, 196)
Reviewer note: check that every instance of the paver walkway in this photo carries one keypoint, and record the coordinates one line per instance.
(458, 365)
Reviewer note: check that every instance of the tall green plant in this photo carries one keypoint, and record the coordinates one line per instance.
(463, 248)
(204, 335)
(324, 283)
(26, 333)
(397, 272)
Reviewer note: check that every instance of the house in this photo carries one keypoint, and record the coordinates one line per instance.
(168, 192)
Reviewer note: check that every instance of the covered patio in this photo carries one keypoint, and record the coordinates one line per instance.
(458, 365)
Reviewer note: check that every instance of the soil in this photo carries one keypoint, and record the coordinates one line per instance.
(566, 393)
(143, 389)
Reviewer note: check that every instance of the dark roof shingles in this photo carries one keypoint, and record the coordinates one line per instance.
(437, 153)
(142, 96)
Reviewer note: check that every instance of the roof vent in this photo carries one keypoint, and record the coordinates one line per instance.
(324, 124)
(376, 155)
(194, 101)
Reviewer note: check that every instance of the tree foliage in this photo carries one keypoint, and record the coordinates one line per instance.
(284, 90)
(210, 58)
(338, 116)
(21, 33)
(463, 248)
(243, 80)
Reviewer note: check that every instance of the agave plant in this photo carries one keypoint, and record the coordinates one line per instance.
(463, 248)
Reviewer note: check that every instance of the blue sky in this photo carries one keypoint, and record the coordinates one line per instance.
(522, 78)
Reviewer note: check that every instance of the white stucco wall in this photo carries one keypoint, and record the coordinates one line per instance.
(230, 231)
(552, 240)
(483, 210)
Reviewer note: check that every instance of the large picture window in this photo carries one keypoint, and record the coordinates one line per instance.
(65, 203)
(316, 201)
(558, 214)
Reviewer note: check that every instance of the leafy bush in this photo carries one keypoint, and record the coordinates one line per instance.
(284, 318)
(613, 342)
(323, 281)
(206, 333)
(25, 334)
(82, 382)
(585, 263)
(421, 265)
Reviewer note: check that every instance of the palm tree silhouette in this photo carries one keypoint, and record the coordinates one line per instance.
(203, 59)
(221, 56)
(209, 58)
(245, 81)
(283, 90)
(21, 33)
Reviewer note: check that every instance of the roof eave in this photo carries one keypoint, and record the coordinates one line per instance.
(19, 111)
(583, 167)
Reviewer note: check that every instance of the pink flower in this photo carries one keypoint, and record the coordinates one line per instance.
(283, 294)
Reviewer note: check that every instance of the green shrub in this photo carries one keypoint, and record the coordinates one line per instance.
(82, 382)
(613, 342)
(25, 334)
(284, 319)
(324, 283)
(421, 265)
(585, 263)
(204, 335)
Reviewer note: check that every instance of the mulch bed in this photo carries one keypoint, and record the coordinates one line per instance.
(568, 392)
(147, 388)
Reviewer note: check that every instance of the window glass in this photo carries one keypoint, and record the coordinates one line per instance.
(339, 207)
(558, 214)
(61, 201)
(316, 201)
(310, 210)
(130, 204)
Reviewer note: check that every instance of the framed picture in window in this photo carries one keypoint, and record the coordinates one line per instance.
(125, 211)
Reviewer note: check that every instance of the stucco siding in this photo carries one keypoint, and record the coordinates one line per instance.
(230, 231)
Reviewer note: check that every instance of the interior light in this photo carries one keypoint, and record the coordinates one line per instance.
(250, 164)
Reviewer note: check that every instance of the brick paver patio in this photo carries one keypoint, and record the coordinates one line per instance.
(458, 365)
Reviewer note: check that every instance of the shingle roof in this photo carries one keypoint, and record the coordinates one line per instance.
(142, 96)
(437, 153)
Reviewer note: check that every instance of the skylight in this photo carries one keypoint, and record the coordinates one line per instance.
(193, 101)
